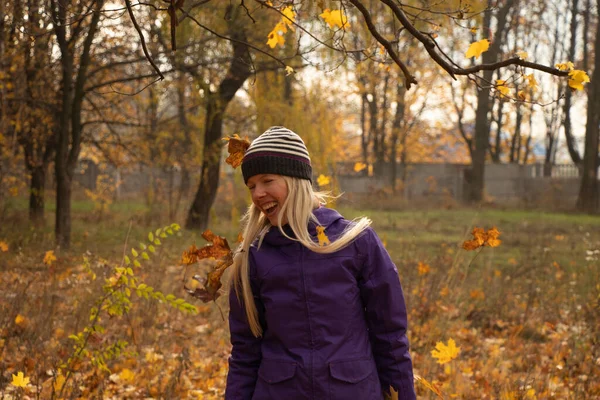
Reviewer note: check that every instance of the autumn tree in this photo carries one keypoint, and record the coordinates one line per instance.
(588, 199)
(417, 20)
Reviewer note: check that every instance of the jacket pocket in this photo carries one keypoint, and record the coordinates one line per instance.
(354, 379)
(273, 371)
(276, 380)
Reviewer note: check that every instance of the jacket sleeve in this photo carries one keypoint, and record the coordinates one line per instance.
(386, 315)
(246, 349)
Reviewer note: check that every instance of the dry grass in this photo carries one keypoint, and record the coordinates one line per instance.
(525, 314)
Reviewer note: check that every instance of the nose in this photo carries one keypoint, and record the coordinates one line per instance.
(258, 191)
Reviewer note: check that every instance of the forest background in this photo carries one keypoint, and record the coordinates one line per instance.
(368, 84)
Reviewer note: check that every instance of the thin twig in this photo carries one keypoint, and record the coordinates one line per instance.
(140, 33)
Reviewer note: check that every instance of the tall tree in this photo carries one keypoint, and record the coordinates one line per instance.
(75, 25)
(588, 200)
(475, 177)
(216, 104)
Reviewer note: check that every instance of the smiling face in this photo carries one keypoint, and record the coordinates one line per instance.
(269, 192)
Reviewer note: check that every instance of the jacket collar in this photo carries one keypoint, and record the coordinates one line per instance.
(325, 216)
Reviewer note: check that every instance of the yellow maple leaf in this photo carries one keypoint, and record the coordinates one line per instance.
(289, 17)
(476, 48)
(445, 353)
(127, 375)
(3, 246)
(568, 66)
(49, 258)
(359, 166)
(522, 55)
(19, 380)
(20, 320)
(335, 18)
(275, 39)
(323, 180)
(522, 95)
(474, 30)
(578, 78)
(59, 382)
(531, 81)
(423, 268)
(502, 88)
(322, 237)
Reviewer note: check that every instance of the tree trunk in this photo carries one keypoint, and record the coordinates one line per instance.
(239, 71)
(397, 125)
(588, 192)
(571, 145)
(36, 195)
(69, 130)
(475, 176)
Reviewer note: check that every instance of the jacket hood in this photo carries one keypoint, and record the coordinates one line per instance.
(326, 217)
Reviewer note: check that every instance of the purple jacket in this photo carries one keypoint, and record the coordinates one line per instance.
(334, 324)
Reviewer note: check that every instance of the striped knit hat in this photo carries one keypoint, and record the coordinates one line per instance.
(277, 151)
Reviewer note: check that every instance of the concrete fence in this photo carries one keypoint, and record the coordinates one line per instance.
(533, 184)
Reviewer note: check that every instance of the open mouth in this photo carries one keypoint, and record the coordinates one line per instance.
(270, 209)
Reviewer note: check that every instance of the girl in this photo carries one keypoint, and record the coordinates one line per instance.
(307, 320)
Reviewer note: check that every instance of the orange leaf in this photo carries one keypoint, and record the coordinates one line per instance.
(190, 256)
(237, 148)
(218, 250)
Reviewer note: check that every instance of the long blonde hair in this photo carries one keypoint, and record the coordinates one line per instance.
(298, 209)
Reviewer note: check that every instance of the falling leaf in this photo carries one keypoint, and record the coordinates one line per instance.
(237, 148)
(288, 70)
(476, 48)
(322, 237)
(3, 246)
(49, 258)
(522, 55)
(521, 95)
(323, 180)
(19, 380)
(359, 166)
(445, 353)
(423, 268)
(335, 18)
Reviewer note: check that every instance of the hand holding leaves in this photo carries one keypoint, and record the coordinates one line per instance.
(218, 250)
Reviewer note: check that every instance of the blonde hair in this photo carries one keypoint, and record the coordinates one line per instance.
(298, 209)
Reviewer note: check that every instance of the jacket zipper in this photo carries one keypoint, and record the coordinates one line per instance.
(310, 366)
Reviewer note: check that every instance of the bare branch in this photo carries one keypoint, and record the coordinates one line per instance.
(409, 79)
(140, 33)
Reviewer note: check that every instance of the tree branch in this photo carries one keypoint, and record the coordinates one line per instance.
(409, 79)
(140, 33)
